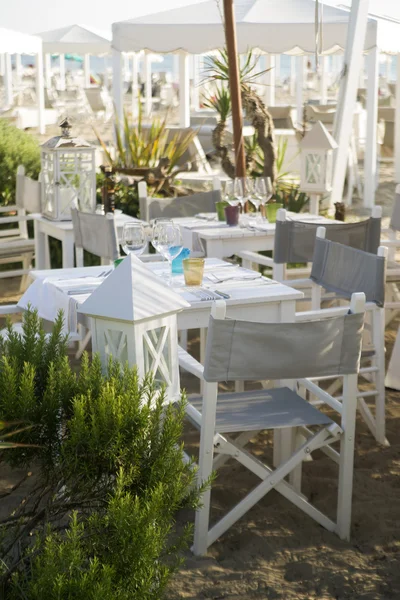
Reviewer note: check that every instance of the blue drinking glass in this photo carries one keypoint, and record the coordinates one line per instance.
(177, 264)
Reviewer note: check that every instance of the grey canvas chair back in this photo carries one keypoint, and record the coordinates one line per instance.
(346, 270)
(395, 218)
(241, 350)
(95, 233)
(295, 240)
(28, 193)
(184, 206)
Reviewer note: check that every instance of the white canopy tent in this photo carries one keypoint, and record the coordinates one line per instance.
(272, 26)
(14, 42)
(74, 39)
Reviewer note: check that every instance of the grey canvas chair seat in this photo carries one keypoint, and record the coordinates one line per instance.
(263, 409)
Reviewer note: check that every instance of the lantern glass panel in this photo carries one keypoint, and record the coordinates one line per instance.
(48, 181)
(314, 168)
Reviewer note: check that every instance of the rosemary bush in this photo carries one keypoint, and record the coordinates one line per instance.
(99, 520)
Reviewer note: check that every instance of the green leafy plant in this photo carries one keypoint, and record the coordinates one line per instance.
(139, 147)
(16, 148)
(99, 520)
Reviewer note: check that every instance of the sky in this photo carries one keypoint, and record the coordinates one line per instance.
(31, 16)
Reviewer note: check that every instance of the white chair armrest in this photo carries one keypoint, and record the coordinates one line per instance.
(189, 363)
(266, 261)
(298, 283)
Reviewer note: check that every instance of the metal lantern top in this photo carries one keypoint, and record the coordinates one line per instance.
(318, 138)
(132, 293)
(65, 141)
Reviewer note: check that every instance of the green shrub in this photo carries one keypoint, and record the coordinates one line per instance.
(110, 477)
(16, 148)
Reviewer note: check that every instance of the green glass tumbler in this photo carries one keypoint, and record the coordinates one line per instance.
(220, 206)
(270, 211)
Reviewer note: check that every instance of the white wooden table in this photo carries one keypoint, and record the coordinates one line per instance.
(220, 241)
(256, 300)
(63, 231)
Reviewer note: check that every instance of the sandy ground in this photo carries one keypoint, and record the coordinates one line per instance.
(277, 552)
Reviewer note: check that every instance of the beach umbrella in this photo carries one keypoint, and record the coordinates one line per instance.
(234, 86)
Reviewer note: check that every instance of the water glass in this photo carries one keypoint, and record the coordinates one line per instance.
(271, 210)
(193, 270)
(134, 238)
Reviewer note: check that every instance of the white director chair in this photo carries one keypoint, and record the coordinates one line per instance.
(242, 350)
(344, 271)
(294, 242)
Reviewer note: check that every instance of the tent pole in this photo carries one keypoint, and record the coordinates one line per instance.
(184, 90)
(2, 64)
(343, 125)
(270, 77)
(18, 68)
(397, 124)
(370, 159)
(8, 80)
(117, 87)
(234, 86)
(299, 89)
(40, 92)
(196, 82)
(324, 80)
(278, 68)
(47, 69)
(86, 69)
(62, 72)
(292, 80)
(148, 104)
(135, 85)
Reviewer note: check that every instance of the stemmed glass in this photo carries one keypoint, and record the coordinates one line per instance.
(169, 242)
(263, 191)
(134, 238)
(238, 190)
(156, 233)
(228, 191)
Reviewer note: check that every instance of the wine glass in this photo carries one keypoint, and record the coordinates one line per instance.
(169, 241)
(228, 191)
(134, 238)
(156, 232)
(263, 190)
(248, 191)
(238, 188)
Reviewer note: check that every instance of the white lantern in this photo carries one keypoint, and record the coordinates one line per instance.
(133, 318)
(317, 148)
(68, 175)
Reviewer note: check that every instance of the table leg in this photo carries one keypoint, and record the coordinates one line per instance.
(40, 247)
(68, 243)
